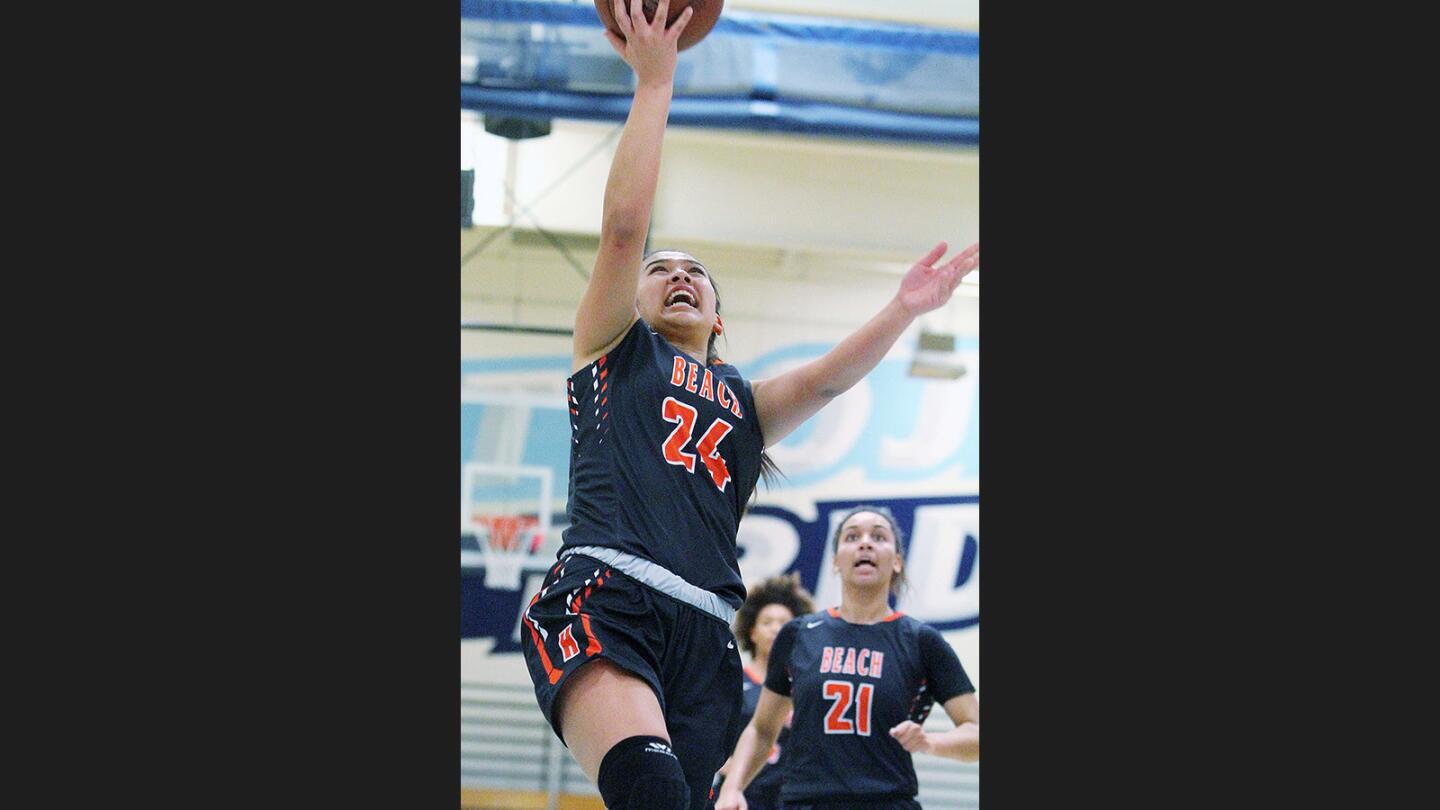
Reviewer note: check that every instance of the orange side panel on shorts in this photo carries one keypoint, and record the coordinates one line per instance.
(551, 672)
(594, 645)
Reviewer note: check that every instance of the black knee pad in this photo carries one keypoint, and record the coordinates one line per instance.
(642, 773)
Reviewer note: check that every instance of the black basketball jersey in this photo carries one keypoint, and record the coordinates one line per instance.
(851, 684)
(665, 453)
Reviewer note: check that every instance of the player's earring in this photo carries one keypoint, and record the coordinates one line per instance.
(719, 325)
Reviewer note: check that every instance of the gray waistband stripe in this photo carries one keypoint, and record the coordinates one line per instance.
(659, 578)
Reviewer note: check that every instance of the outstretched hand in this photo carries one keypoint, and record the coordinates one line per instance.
(927, 287)
(647, 46)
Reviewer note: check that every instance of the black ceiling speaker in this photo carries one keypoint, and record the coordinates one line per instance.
(516, 129)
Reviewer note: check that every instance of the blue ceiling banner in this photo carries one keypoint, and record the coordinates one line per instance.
(762, 72)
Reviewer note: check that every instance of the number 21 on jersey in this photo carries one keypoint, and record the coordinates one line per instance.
(842, 693)
(673, 410)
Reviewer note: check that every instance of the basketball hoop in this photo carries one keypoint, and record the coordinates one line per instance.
(506, 542)
(507, 508)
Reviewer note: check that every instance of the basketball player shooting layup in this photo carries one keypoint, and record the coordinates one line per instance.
(628, 641)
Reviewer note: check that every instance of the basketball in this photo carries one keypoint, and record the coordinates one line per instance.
(701, 21)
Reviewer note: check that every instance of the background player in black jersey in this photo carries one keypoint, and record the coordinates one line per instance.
(861, 679)
(628, 641)
(771, 605)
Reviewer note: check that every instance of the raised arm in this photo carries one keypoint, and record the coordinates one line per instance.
(608, 307)
(753, 748)
(785, 402)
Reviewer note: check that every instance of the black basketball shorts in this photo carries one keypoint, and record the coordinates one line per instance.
(586, 610)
